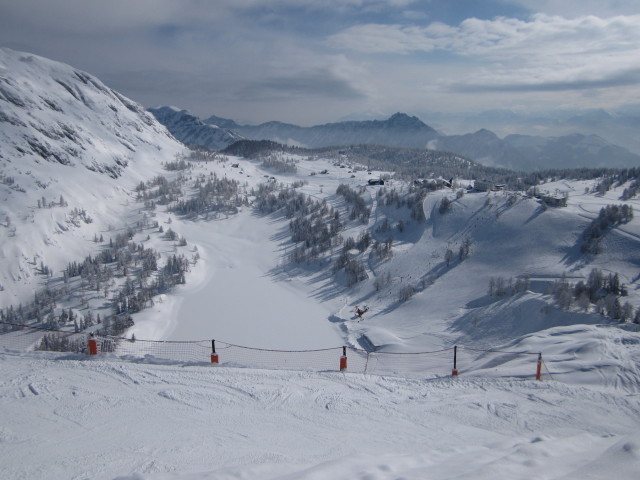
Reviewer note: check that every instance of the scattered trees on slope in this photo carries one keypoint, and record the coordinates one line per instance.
(279, 164)
(213, 195)
(603, 292)
(359, 207)
(141, 279)
(608, 217)
(501, 287)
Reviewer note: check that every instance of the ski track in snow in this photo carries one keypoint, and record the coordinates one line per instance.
(107, 419)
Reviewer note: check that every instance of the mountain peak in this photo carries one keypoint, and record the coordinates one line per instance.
(405, 121)
(190, 130)
(485, 134)
(221, 122)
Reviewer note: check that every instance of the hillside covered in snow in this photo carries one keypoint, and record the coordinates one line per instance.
(111, 227)
(71, 152)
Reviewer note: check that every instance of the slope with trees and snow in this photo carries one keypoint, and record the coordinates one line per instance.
(277, 251)
(72, 151)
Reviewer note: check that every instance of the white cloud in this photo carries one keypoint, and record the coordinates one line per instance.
(542, 53)
(578, 8)
(270, 59)
(497, 37)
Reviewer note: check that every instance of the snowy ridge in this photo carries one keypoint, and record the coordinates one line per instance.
(399, 130)
(190, 130)
(71, 151)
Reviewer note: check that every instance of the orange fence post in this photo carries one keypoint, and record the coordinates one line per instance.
(454, 372)
(539, 368)
(214, 355)
(343, 359)
(93, 346)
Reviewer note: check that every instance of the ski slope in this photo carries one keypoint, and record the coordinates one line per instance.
(73, 416)
(65, 416)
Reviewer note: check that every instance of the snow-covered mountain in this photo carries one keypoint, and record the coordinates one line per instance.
(619, 126)
(517, 152)
(529, 152)
(399, 130)
(71, 151)
(282, 249)
(190, 130)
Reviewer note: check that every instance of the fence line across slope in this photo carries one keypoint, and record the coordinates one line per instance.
(437, 363)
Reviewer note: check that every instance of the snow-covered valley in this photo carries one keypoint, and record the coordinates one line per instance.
(434, 267)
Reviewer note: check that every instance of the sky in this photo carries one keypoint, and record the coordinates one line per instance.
(316, 61)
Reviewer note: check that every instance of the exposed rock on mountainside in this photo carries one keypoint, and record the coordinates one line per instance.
(399, 130)
(71, 151)
(190, 130)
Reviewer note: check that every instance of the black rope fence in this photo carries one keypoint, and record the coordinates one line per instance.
(454, 361)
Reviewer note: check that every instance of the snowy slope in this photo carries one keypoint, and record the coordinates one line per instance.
(190, 130)
(71, 151)
(246, 292)
(509, 236)
(71, 418)
(66, 416)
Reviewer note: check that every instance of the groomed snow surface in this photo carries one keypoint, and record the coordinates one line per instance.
(73, 417)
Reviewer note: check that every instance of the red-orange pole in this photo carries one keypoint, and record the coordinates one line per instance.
(539, 368)
(93, 346)
(343, 359)
(214, 355)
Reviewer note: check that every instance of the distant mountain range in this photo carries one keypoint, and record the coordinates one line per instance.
(528, 152)
(399, 130)
(516, 152)
(619, 126)
(190, 130)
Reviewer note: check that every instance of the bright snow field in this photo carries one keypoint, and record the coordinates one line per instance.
(69, 417)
